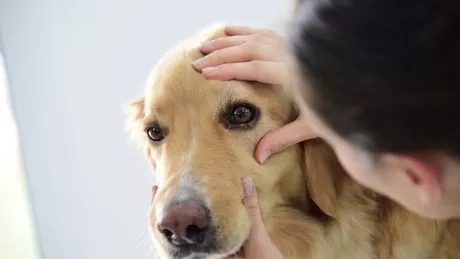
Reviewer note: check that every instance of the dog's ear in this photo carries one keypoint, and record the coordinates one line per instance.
(135, 112)
(323, 175)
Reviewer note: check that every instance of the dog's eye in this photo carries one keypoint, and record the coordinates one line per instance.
(242, 115)
(155, 133)
(239, 116)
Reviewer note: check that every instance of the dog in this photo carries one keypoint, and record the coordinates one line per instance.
(199, 136)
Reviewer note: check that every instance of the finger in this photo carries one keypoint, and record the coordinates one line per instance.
(244, 30)
(240, 53)
(154, 192)
(230, 41)
(251, 203)
(220, 43)
(256, 70)
(259, 245)
(281, 138)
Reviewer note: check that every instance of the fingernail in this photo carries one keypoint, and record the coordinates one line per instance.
(206, 44)
(198, 61)
(248, 186)
(264, 156)
(209, 70)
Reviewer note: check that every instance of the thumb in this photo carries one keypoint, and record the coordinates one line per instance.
(251, 202)
(259, 245)
(282, 138)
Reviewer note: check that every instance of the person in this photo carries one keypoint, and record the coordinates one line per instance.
(379, 84)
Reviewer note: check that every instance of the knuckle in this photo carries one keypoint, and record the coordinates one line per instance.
(253, 209)
(218, 42)
(248, 50)
(251, 203)
(256, 68)
(255, 38)
(254, 214)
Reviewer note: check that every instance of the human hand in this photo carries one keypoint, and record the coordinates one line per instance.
(259, 244)
(279, 139)
(255, 55)
(250, 54)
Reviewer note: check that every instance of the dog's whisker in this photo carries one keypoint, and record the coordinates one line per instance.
(139, 235)
(138, 247)
(150, 250)
(145, 243)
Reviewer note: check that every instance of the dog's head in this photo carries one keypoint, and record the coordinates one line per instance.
(200, 136)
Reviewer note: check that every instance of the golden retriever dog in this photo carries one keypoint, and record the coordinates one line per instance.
(199, 136)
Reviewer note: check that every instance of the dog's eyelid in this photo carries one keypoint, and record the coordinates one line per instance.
(146, 123)
(154, 123)
(230, 106)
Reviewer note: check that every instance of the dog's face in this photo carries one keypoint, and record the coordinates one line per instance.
(200, 136)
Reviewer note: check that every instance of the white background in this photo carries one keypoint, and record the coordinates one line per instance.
(72, 65)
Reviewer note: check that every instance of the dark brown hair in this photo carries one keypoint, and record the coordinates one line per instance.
(383, 74)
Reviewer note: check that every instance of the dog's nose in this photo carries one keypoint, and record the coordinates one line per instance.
(184, 223)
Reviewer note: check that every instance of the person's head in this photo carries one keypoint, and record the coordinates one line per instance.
(381, 84)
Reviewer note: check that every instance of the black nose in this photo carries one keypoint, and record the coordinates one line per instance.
(185, 223)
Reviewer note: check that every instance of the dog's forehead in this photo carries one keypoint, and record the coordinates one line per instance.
(175, 82)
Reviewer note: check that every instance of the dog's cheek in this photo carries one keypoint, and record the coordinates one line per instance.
(234, 224)
(155, 235)
(152, 221)
(148, 154)
(152, 216)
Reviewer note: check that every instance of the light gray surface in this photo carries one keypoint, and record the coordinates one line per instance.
(72, 64)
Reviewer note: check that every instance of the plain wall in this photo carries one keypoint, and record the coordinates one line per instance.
(17, 235)
(72, 65)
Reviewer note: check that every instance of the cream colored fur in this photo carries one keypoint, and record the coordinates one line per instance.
(310, 207)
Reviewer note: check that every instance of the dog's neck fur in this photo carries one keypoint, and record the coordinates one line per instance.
(382, 227)
(391, 230)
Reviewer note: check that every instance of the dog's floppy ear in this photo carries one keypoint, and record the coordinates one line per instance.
(135, 111)
(323, 175)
